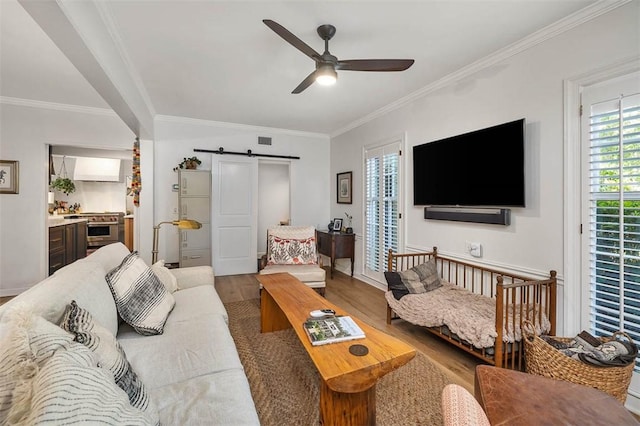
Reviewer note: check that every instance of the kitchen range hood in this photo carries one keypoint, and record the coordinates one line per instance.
(97, 169)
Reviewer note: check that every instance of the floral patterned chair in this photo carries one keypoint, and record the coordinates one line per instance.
(293, 249)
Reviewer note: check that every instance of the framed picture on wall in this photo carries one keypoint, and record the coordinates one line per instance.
(8, 177)
(344, 188)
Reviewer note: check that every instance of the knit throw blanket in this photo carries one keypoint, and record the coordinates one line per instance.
(469, 315)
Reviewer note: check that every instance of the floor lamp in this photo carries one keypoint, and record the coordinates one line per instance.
(181, 224)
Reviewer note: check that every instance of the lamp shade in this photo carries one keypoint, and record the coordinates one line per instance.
(187, 224)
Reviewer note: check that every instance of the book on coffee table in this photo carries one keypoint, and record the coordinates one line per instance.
(332, 329)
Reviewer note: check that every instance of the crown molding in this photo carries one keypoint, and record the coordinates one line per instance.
(30, 103)
(237, 126)
(565, 24)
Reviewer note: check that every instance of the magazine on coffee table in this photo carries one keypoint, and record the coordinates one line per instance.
(332, 329)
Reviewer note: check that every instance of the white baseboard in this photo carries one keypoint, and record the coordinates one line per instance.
(633, 403)
(346, 269)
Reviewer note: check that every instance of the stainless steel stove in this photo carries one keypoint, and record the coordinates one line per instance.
(102, 228)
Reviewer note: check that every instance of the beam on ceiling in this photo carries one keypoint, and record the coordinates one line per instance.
(84, 33)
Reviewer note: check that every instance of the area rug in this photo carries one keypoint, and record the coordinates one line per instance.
(285, 385)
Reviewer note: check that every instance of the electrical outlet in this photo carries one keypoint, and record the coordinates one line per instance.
(474, 249)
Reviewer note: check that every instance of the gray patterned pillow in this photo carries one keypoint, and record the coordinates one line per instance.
(141, 299)
(421, 278)
(108, 352)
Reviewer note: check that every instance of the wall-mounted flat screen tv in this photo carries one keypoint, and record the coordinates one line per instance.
(480, 168)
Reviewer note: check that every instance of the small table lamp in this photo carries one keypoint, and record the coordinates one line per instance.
(181, 224)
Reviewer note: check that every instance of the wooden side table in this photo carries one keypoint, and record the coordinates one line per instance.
(336, 245)
(510, 397)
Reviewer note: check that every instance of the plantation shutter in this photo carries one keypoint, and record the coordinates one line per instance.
(614, 217)
(382, 201)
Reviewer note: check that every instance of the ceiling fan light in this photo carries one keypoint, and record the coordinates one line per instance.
(326, 75)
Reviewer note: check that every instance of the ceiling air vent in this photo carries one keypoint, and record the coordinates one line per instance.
(263, 140)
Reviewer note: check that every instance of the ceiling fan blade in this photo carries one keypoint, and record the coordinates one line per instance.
(305, 83)
(292, 39)
(374, 64)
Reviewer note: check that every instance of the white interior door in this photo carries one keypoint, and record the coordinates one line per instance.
(234, 206)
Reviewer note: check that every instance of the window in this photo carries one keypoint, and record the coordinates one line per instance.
(382, 213)
(614, 216)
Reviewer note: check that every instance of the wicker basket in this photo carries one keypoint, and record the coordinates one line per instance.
(542, 359)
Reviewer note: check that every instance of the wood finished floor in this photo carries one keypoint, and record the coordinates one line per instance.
(368, 304)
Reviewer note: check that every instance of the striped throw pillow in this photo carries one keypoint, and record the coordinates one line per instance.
(70, 388)
(141, 299)
(50, 379)
(109, 354)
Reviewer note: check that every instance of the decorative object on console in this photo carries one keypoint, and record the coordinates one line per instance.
(8, 177)
(181, 224)
(337, 225)
(344, 187)
(349, 229)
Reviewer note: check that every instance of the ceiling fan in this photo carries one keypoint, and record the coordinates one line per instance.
(327, 64)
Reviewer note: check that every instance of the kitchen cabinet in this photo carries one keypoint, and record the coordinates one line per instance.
(128, 232)
(194, 202)
(67, 242)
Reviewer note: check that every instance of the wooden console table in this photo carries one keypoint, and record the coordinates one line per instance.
(347, 382)
(337, 245)
(510, 397)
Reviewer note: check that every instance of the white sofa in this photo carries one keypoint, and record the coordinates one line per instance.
(191, 371)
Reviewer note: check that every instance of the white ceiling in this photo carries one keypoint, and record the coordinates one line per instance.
(216, 60)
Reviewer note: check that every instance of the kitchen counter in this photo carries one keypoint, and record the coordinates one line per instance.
(60, 220)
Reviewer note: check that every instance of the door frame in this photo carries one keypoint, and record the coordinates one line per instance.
(573, 88)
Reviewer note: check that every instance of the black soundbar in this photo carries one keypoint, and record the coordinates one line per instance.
(469, 214)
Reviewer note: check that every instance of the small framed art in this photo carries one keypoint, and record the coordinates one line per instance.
(8, 177)
(344, 188)
(337, 224)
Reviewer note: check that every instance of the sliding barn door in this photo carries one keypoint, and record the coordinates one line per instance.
(235, 213)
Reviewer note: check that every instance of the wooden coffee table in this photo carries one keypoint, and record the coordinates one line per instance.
(348, 382)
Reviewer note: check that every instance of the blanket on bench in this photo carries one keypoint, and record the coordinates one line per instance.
(469, 315)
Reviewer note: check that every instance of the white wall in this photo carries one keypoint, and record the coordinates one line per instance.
(24, 134)
(529, 85)
(177, 138)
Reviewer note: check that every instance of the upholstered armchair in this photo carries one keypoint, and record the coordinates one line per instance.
(293, 249)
